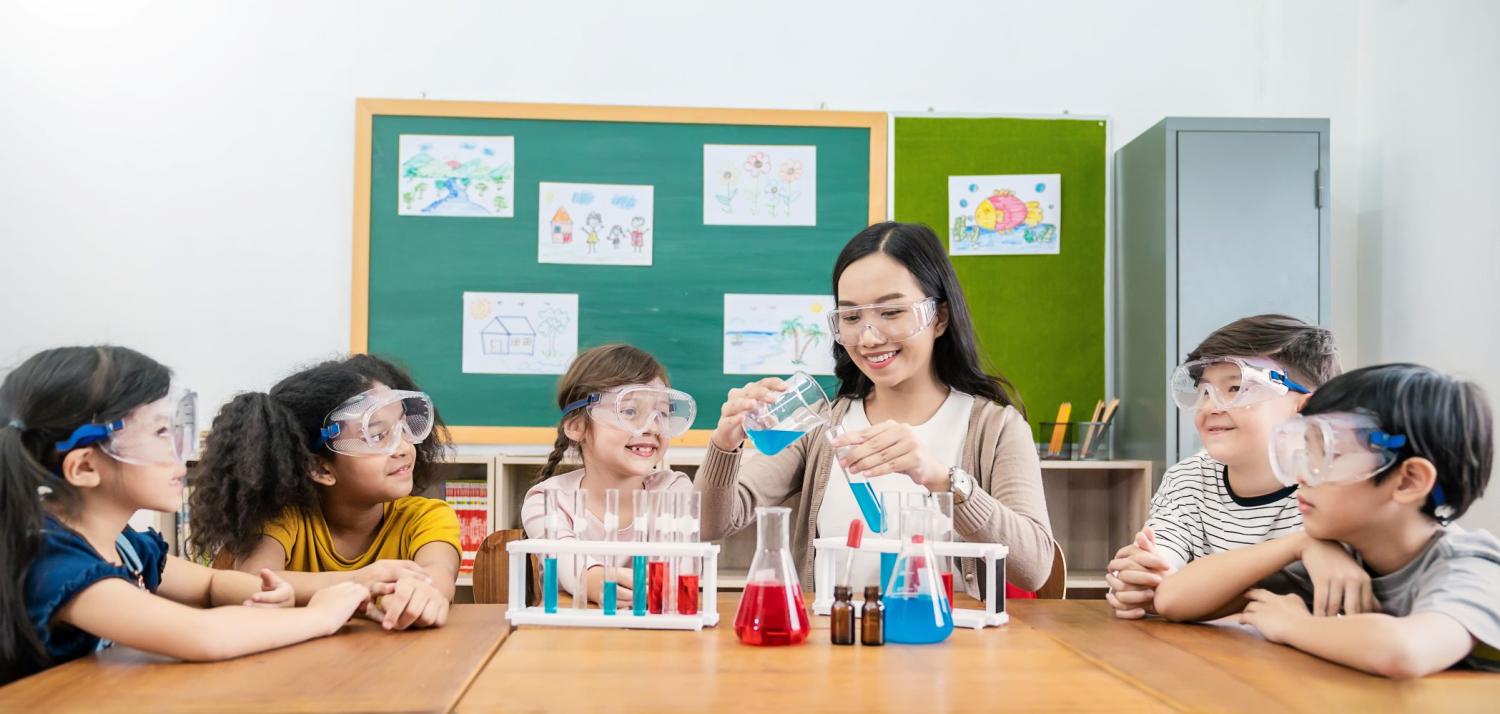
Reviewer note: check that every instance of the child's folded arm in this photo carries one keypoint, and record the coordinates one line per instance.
(1214, 586)
(1397, 647)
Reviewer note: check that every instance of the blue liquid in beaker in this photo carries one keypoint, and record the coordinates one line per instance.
(772, 441)
(913, 621)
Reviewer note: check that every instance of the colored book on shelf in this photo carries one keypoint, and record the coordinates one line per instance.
(471, 501)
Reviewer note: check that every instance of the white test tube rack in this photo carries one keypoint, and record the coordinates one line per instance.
(708, 602)
(830, 565)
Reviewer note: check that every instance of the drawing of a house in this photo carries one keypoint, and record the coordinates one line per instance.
(562, 226)
(508, 335)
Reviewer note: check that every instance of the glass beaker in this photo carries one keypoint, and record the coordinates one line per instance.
(803, 406)
(771, 610)
(939, 506)
(917, 610)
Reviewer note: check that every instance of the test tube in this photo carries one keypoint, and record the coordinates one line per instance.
(551, 525)
(659, 595)
(580, 561)
(890, 507)
(942, 532)
(689, 515)
(611, 535)
(640, 524)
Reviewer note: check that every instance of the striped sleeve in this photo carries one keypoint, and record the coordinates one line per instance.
(1175, 517)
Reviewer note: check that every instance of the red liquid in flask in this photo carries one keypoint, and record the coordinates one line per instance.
(771, 614)
(656, 576)
(687, 594)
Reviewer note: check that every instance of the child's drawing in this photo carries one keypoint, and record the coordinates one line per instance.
(760, 185)
(580, 218)
(1005, 215)
(519, 333)
(456, 176)
(777, 334)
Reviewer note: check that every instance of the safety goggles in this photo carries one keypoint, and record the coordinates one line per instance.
(1229, 383)
(162, 432)
(635, 408)
(891, 321)
(1335, 447)
(376, 421)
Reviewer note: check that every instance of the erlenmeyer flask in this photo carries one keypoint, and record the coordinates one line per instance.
(771, 610)
(917, 610)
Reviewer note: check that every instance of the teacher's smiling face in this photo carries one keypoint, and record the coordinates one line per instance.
(884, 350)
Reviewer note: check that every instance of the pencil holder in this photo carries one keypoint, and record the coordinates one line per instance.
(1095, 441)
(1058, 440)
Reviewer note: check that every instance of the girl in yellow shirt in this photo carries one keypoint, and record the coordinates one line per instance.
(315, 479)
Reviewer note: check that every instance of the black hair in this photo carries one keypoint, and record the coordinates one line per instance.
(956, 358)
(1305, 350)
(41, 402)
(1444, 419)
(259, 458)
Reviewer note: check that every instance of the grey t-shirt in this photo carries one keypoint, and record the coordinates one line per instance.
(1457, 574)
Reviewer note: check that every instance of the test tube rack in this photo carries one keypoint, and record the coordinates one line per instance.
(708, 603)
(832, 550)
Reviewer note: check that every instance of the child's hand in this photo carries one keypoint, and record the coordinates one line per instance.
(1339, 582)
(1133, 576)
(413, 603)
(1274, 615)
(731, 430)
(274, 592)
(388, 571)
(338, 603)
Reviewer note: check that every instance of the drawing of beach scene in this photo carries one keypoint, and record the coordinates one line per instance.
(777, 334)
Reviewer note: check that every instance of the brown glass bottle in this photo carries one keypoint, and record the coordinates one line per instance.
(842, 614)
(872, 618)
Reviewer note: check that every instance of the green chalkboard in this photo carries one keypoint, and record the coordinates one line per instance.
(1040, 317)
(416, 268)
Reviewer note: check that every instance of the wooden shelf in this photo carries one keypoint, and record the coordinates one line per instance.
(1084, 465)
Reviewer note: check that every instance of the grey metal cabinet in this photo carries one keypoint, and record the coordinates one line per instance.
(1216, 219)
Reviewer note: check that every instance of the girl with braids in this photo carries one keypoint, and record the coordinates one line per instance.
(618, 413)
(315, 480)
(89, 435)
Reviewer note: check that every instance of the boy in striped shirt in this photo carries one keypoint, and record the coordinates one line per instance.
(1242, 380)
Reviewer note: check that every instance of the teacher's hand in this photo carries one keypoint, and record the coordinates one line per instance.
(731, 430)
(892, 447)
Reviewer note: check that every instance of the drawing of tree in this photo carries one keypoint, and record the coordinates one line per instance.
(796, 330)
(814, 335)
(407, 198)
(481, 188)
(499, 203)
(552, 322)
(421, 189)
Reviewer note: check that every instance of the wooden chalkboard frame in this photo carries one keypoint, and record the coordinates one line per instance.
(366, 110)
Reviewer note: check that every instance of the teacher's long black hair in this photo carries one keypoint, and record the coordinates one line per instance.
(955, 354)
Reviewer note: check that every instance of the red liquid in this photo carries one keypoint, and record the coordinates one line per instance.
(948, 586)
(687, 594)
(765, 617)
(656, 576)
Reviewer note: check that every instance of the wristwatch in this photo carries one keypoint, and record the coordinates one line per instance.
(961, 484)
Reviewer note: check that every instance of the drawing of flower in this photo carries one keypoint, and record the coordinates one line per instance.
(791, 170)
(774, 194)
(757, 164)
(730, 178)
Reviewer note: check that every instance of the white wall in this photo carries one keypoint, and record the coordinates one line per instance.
(1429, 233)
(180, 174)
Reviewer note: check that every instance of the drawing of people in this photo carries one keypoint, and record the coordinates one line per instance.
(616, 234)
(592, 225)
(638, 231)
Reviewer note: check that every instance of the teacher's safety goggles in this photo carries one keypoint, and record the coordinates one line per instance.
(1229, 383)
(376, 421)
(891, 321)
(635, 408)
(162, 432)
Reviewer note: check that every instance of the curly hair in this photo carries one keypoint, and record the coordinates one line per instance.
(258, 458)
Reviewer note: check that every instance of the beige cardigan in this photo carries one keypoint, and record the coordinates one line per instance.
(1007, 506)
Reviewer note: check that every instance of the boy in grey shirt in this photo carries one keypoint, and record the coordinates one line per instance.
(1384, 457)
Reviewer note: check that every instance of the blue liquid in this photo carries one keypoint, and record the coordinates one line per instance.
(549, 585)
(911, 620)
(771, 441)
(638, 584)
(887, 564)
(609, 597)
(869, 506)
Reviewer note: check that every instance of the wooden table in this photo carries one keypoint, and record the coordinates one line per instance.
(1055, 655)
(361, 669)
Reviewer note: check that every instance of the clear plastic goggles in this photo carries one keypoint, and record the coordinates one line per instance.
(1229, 383)
(891, 321)
(162, 432)
(375, 422)
(1336, 447)
(635, 408)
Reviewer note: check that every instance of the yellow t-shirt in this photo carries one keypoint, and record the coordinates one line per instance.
(409, 523)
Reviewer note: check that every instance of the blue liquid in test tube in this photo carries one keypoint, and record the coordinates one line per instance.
(549, 585)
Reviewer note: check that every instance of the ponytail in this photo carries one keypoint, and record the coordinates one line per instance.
(256, 463)
(559, 451)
